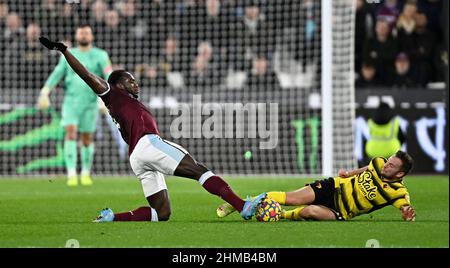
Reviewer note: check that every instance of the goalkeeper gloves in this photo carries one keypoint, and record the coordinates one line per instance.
(52, 45)
(44, 100)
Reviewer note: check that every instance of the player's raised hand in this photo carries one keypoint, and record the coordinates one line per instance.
(343, 173)
(52, 45)
(408, 213)
(43, 100)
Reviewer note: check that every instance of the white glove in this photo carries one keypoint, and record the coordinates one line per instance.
(102, 107)
(44, 100)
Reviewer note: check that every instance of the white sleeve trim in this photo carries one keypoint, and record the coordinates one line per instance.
(106, 92)
(205, 177)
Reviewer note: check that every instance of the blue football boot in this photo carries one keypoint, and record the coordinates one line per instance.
(250, 206)
(106, 215)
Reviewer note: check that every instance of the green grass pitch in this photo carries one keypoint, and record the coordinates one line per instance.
(46, 213)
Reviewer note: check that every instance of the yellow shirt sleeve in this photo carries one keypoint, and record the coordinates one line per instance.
(402, 202)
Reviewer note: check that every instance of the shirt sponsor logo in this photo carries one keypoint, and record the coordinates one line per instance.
(365, 183)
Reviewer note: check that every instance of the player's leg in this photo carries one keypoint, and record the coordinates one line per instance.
(87, 126)
(70, 154)
(189, 168)
(310, 212)
(172, 159)
(155, 190)
(315, 201)
(70, 123)
(87, 157)
(302, 196)
(159, 209)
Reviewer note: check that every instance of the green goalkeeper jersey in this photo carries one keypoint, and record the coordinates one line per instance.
(76, 91)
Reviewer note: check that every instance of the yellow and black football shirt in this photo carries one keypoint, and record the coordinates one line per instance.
(366, 192)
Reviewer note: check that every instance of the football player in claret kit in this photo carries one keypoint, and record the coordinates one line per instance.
(150, 156)
(350, 194)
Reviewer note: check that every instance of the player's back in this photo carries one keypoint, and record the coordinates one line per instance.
(132, 118)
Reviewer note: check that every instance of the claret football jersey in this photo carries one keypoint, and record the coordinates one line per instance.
(132, 118)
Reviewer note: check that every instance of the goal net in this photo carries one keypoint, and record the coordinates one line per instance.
(247, 87)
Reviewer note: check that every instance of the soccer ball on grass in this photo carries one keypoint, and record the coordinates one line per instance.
(268, 210)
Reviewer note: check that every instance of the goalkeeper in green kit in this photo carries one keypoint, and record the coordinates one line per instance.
(81, 105)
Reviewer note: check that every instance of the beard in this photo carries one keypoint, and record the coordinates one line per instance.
(385, 176)
(83, 43)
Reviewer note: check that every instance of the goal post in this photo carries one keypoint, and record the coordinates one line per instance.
(337, 88)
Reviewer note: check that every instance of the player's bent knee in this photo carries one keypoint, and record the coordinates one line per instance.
(164, 215)
(311, 212)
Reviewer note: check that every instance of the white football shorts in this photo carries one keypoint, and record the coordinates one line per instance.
(152, 158)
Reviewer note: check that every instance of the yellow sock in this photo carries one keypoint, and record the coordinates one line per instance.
(280, 197)
(293, 215)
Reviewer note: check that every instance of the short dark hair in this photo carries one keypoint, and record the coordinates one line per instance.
(84, 25)
(407, 161)
(116, 76)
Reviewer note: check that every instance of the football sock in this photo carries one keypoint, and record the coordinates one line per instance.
(280, 197)
(70, 156)
(294, 214)
(140, 214)
(217, 186)
(87, 157)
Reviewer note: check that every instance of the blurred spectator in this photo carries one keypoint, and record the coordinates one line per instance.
(420, 48)
(98, 10)
(83, 10)
(433, 10)
(168, 61)
(68, 20)
(261, 77)
(406, 26)
(14, 31)
(13, 37)
(4, 9)
(33, 58)
(368, 77)
(111, 38)
(47, 15)
(308, 31)
(381, 50)
(440, 63)
(364, 23)
(148, 76)
(136, 36)
(211, 25)
(406, 22)
(252, 37)
(127, 12)
(389, 12)
(186, 24)
(161, 19)
(204, 69)
(403, 77)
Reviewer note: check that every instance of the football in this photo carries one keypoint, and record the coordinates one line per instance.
(268, 210)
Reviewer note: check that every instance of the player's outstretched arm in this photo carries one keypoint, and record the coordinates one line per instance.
(345, 174)
(97, 84)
